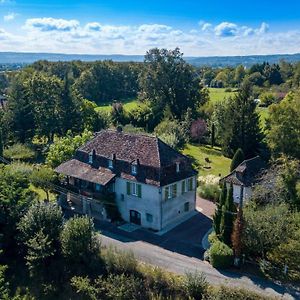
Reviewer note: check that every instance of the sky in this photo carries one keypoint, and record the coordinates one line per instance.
(198, 28)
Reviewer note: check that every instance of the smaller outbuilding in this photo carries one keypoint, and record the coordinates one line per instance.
(244, 177)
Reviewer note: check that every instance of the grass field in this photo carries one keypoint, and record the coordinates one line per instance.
(218, 163)
(218, 94)
(127, 104)
(263, 115)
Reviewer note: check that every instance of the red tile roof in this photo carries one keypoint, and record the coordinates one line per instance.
(155, 160)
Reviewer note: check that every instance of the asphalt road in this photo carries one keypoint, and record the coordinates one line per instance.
(180, 264)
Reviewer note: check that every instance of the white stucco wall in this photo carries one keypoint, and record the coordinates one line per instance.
(237, 193)
(149, 203)
(173, 209)
(164, 212)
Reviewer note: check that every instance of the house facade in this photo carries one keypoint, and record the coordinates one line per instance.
(153, 185)
(243, 178)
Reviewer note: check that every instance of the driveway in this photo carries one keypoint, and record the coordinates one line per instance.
(184, 239)
(180, 251)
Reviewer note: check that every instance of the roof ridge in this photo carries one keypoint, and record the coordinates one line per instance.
(130, 133)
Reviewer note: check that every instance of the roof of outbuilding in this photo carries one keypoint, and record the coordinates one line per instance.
(246, 173)
(84, 171)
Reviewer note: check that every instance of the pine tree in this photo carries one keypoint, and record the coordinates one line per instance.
(1, 143)
(238, 158)
(246, 132)
(218, 212)
(212, 135)
(236, 237)
(228, 212)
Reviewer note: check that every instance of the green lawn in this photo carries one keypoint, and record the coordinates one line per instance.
(41, 194)
(263, 115)
(218, 163)
(218, 94)
(127, 104)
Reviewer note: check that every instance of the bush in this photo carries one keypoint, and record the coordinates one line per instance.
(195, 285)
(232, 293)
(124, 287)
(212, 238)
(161, 283)
(19, 152)
(209, 191)
(119, 262)
(221, 256)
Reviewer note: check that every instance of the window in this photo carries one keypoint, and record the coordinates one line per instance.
(186, 206)
(168, 194)
(110, 164)
(171, 191)
(177, 167)
(134, 189)
(122, 197)
(149, 218)
(91, 158)
(134, 169)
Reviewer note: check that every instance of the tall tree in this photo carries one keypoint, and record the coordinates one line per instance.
(237, 159)
(69, 109)
(168, 80)
(239, 123)
(283, 126)
(19, 117)
(1, 143)
(44, 93)
(228, 216)
(218, 212)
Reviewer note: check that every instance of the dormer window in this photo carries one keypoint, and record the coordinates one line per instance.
(91, 157)
(177, 167)
(134, 169)
(110, 164)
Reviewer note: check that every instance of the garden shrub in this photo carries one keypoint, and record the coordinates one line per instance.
(160, 282)
(119, 262)
(208, 187)
(195, 285)
(232, 293)
(209, 191)
(212, 238)
(221, 256)
(124, 287)
(19, 152)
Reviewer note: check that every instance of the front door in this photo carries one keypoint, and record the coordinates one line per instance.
(135, 217)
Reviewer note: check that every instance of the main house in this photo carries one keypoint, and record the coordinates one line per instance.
(154, 185)
(244, 177)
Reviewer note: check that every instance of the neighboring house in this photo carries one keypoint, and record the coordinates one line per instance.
(244, 177)
(154, 185)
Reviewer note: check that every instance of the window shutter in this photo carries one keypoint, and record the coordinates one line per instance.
(128, 188)
(166, 193)
(190, 184)
(174, 191)
(182, 186)
(139, 190)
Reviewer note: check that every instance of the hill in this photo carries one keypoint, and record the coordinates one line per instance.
(214, 61)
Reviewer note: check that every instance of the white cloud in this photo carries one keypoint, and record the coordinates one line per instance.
(9, 17)
(51, 24)
(226, 29)
(206, 26)
(69, 36)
